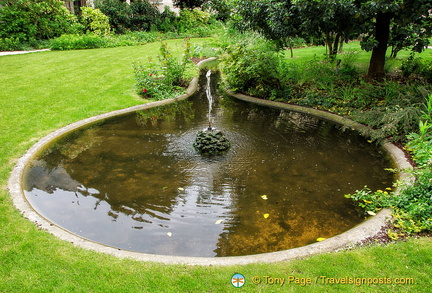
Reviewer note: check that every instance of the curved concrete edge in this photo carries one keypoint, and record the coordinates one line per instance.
(397, 155)
(347, 239)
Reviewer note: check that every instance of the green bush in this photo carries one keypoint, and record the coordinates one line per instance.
(166, 78)
(75, 42)
(253, 67)
(420, 143)
(92, 41)
(144, 16)
(25, 20)
(10, 44)
(139, 15)
(94, 21)
(167, 20)
(417, 66)
(138, 38)
(192, 18)
(412, 207)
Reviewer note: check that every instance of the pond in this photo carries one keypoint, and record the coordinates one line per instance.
(135, 182)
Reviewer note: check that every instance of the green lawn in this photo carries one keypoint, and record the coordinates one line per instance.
(354, 53)
(41, 92)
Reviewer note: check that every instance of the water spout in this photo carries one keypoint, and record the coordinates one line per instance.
(210, 100)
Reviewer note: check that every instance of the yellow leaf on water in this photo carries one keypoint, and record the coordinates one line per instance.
(218, 222)
(180, 188)
(320, 239)
(371, 213)
(264, 197)
(169, 234)
(266, 216)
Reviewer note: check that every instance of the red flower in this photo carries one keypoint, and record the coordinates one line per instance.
(151, 74)
(144, 90)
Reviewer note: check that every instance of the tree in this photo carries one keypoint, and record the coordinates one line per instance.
(139, 15)
(221, 8)
(330, 21)
(380, 23)
(276, 20)
(183, 4)
(324, 21)
(411, 18)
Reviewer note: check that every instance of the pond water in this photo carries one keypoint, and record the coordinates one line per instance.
(135, 182)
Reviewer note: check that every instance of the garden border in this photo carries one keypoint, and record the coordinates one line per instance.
(368, 228)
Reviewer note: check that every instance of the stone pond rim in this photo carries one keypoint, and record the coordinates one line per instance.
(366, 229)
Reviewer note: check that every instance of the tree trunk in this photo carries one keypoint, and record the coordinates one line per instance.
(382, 33)
(329, 44)
(334, 53)
(341, 45)
(70, 6)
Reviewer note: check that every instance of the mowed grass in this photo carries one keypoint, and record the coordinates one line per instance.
(41, 92)
(353, 54)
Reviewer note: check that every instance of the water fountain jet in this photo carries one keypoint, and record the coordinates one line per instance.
(211, 141)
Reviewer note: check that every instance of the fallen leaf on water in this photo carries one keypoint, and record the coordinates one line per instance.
(320, 239)
(218, 222)
(264, 196)
(180, 188)
(169, 234)
(371, 213)
(266, 216)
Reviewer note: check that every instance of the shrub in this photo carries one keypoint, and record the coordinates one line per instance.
(10, 44)
(417, 66)
(167, 20)
(253, 67)
(391, 122)
(118, 13)
(144, 15)
(420, 144)
(139, 15)
(164, 79)
(412, 207)
(25, 20)
(220, 8)
(75, 42)
(192, 18)
(94, 21)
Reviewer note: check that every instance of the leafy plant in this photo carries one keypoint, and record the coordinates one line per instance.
(192, 18)
(123, 17)
(417, 66)
(412, 207)
(164, 79)
(94, 21)
(74, 42)
(253, 67)
(370, 202)
(25, 20)
(420, 144)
